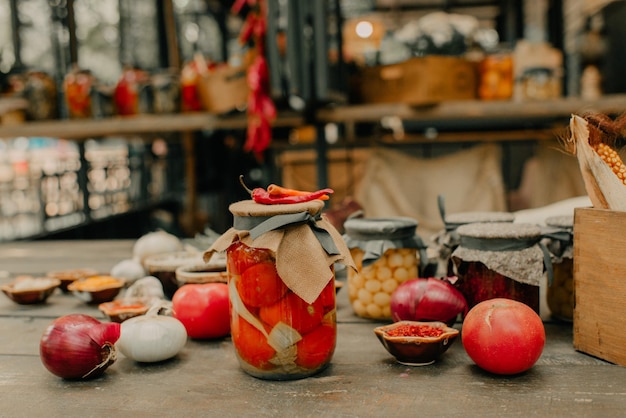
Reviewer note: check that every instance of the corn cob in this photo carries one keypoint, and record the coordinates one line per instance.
(612, 159)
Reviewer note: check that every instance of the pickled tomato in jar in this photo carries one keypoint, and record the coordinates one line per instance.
(276, 334)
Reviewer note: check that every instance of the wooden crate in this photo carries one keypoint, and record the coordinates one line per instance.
(418, 81)
(224, 89)
(600, 283)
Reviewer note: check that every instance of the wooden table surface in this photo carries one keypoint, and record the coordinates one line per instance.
(205, 378)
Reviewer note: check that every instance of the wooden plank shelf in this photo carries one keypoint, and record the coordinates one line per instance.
(474, 110)
(80, 129)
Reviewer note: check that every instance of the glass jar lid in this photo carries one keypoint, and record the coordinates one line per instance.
(563, 221)
(454, 220)
(380, 228)
(377, 235)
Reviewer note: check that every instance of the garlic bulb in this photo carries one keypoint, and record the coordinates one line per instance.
(151, 337)
(148, 287)
(157, 242)
(130, 270)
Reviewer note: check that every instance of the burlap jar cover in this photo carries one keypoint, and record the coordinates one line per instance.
(377, 235)
(304, 243)
(512, 250)
(447, 240)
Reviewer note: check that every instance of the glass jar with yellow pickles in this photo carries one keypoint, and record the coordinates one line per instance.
(386, 252)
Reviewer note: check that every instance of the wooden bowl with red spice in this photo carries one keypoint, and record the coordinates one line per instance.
(416, 343)
(120, 310)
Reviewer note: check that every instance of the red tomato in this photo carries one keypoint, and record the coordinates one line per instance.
(503, 336)
(251, 344)
(295, 312)
(316, 347)
(203, 309)
(260, 285)
(240, 257)
(328, 296)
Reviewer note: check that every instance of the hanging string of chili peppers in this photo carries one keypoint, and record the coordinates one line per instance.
(261, 109)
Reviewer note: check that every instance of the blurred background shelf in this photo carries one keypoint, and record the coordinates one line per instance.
(141, 124)
(476, 111)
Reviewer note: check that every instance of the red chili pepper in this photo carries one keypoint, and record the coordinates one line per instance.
(260, 195)
(415, 331)
(248, 28)
(238, 5)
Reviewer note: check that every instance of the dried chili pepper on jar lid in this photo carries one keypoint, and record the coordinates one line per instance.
(276, 195)
(280, 262)
(501, 259)
(386, 254)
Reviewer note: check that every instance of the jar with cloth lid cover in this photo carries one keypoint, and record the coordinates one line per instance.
(387, 252)
(281, 283)
(448, 239)
(501, 260)
(560, 294)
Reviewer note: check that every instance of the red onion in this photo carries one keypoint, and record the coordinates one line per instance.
(78, 346)
(427, 300)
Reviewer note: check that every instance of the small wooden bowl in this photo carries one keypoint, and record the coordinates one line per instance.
(30, 290)
(69, 276)
(415, 350)
(122, 309)
(201, 273)
(163, 267)
(96, 289)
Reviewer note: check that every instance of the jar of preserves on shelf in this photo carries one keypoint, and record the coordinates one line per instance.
(496, 75)
(560, 293)
(387, 252)
(281, 282)
(501, 260)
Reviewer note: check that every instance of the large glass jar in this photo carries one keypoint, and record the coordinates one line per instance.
(281, 284)
(560, 294)
(387, 252)
(501, 260)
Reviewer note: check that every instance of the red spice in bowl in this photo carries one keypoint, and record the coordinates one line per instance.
(412, 330)
(415, 343)
(122, 309)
